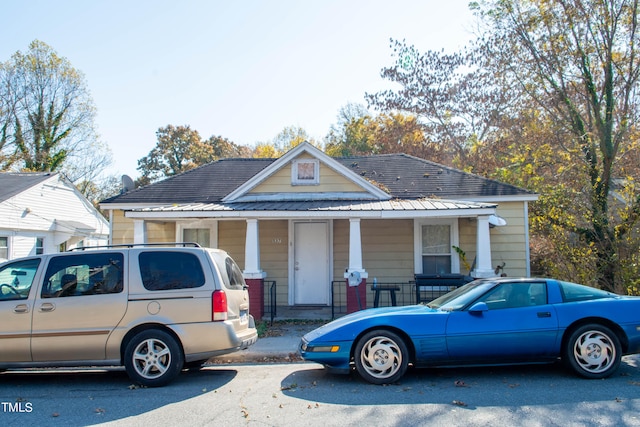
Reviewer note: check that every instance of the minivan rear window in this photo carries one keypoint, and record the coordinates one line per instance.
(166, 270)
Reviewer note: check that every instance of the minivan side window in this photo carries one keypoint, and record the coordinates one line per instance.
(84, 274)
(236, 280)
(16, 279)
(162, 271)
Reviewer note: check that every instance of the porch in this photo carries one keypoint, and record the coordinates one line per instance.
(420, 289)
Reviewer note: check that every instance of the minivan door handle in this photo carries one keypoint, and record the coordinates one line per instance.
(21, 308)
(47, 306)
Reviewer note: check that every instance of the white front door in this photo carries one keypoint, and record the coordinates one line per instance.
(311, 263)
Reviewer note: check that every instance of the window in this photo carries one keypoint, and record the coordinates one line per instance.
(514, 295)
(305, 172)
(201, 236)
(436, 249)
(84, 274)
(16, 279)
(229, 271)
(39, 245)
(572, 292)
(4, 248)
(236, 280)
(165, 270)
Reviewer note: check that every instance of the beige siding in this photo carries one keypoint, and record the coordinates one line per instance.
(231, 238)
(274, 254)
(121, 228)
(340, 248)
(508, 243)
(160, 232)
(157, 232)
(330, 182)
(467, 241)
(387, 250)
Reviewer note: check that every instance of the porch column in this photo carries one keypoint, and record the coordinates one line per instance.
(483, 249)
(356, 295)
(139, 231)
(252, 273)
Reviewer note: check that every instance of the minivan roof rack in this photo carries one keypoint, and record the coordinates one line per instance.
(134, 245)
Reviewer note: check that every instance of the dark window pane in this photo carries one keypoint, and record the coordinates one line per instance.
(170, 270)
(434, 264)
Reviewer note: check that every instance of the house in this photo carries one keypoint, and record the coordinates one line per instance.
(44, 213)
(306, 221)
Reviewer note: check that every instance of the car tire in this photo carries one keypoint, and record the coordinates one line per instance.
(593, 351)
(381, 357)
(153, 358)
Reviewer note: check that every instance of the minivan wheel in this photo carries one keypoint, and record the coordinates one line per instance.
(153, 358)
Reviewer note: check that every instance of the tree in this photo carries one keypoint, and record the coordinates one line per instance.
(180, 149)
(578, 61)
(47, 116)
(358, 132)
(546, 98)
(454, 101)
(265, 151)
(290, 137)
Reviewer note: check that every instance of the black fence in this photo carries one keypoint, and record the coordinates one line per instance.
(424, 288)
(270, 306)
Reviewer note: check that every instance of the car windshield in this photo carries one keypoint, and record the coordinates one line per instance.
(460, 297)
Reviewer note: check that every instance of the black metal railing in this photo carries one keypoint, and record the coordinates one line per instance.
(270, 303)
(379, 294)
(423, 288)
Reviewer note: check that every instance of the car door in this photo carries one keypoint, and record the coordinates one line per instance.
(16, 304)
(513, 322)
(81, 301)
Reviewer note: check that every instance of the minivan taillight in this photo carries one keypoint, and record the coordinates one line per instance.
(219, 306)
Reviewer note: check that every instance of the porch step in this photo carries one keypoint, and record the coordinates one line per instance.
(302, 312)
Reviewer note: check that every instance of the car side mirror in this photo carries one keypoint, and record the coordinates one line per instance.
(479, 307)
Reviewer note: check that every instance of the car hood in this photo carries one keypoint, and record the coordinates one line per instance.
(349, 326)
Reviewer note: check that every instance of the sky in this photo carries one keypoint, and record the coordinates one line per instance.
(240, 69)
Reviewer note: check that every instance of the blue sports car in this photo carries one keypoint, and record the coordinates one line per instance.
(486, 322)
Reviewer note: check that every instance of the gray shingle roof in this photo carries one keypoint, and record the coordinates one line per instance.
(12, 184)
(404, 176)
(408, 177)
(207, 183)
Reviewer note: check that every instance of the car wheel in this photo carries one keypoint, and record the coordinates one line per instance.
(593, 351)
(381, 357)
(153, 358)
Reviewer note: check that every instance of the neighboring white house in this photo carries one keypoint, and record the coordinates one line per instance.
(45, 213)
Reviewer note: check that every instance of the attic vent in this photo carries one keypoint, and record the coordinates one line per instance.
(305, 172)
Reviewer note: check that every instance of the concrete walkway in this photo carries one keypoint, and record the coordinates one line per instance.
(279, 345)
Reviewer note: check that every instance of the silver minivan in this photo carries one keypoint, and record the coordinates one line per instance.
(153, 309)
